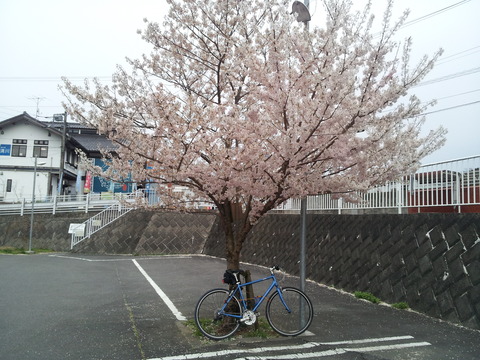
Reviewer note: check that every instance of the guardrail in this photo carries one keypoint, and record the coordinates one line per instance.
(448, 186)
(63, 203)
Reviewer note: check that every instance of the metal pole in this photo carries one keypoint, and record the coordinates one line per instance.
(303, 238)
(303, 232)
(303, 215)
(33, 204)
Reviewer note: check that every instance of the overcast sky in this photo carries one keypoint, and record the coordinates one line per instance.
(44, 40)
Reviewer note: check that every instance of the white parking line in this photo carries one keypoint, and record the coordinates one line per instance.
(237, 351)
(120, 259)
(316, 355)
(390, 347)
(159, 291)
(365, 341)
(305, 346)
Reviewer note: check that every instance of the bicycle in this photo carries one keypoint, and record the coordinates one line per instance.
(220, 312)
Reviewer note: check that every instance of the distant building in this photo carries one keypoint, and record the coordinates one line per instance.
(22, 138)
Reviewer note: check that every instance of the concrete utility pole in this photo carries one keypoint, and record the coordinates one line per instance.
(62, 155)
(30, 251)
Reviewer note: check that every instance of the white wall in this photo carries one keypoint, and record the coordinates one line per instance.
(22, 179)
(31, 133)
(22, 185)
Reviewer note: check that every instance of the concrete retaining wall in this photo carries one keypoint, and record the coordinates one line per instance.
(149, 232)
(430, 261)
(49, 231)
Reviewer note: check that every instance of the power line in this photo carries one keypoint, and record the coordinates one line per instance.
(425, 17)
(450, 108)
(449, 77)
(454, 95)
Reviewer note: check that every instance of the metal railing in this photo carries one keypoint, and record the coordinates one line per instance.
(99, 221)
(122, 206)
(62, 203)
(448, 186)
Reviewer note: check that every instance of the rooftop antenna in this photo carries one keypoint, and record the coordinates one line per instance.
(38, 99)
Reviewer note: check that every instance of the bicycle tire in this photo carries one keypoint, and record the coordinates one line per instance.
(283, 322)
(210, 323)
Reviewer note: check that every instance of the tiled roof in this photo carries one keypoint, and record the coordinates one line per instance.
(79, 135)
(70, 126)
(93, 142)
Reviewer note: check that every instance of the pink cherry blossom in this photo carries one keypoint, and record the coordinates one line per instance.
(247, 108)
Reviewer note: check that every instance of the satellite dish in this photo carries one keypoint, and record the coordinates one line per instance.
(303, 15)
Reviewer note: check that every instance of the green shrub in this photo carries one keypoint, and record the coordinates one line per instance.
(400, 305)
(366, 296)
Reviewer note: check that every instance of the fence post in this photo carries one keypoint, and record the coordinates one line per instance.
(87, 203)
(399, 196)
(54, 208)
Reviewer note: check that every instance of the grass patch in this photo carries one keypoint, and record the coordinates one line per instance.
(366, 296)
(190, 324)
(400, 306)
(264, 330)
(16, 251)
(372, 298)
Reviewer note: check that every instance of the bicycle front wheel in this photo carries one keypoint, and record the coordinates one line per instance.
(290, 323)
(211, 321)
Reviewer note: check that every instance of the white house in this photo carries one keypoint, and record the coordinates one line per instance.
(24, 138)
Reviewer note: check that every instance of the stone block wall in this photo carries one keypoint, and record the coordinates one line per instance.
(430, 261)
(144, 232)
(49, 231)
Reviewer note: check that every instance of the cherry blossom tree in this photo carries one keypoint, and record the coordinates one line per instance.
(246, 107)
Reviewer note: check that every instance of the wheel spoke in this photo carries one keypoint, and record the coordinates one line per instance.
(294, 322)
(213, 323)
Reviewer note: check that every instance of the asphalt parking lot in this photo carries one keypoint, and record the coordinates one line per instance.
(63, 306)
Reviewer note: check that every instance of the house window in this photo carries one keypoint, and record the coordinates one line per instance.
(9, 185)
(40, 148)
(19, 148)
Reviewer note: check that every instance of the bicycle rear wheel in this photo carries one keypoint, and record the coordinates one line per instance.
(290, 323)
(210, 321)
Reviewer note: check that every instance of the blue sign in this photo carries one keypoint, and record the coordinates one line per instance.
(5, 149)
(103, 185)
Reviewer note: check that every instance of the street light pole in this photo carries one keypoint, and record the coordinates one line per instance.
(303, 214)
(33, 205)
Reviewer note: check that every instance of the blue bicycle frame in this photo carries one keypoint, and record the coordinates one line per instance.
(238, 289)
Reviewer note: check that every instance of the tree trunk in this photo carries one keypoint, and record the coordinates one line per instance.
(250, 294)
(236, 226)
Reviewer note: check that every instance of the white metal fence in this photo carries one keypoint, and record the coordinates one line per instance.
(63, 203)
(448, 186)
(98, 222)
